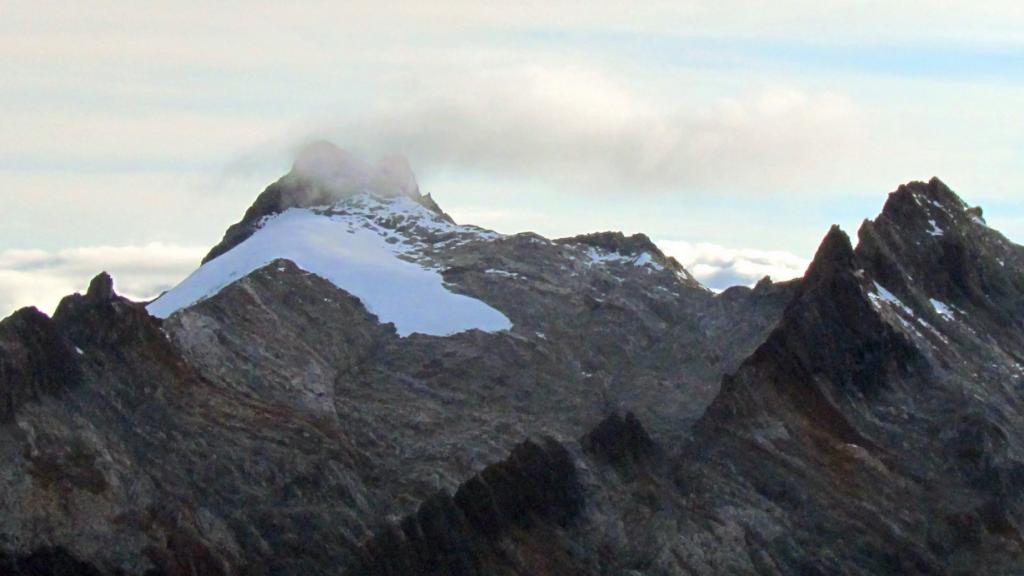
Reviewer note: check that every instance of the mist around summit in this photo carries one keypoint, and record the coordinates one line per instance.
(460, 289)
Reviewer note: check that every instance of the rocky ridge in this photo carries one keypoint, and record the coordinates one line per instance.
(867, 420)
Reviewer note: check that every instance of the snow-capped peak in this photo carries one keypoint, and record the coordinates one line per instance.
(378, 249)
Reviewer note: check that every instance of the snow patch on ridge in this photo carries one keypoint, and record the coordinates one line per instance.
(892, 308)
(366, 246)
(503, 273)
(944, 310)
(882, 295)
(644, 259)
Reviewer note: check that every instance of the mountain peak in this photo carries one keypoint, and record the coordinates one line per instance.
(926, 208)
(324, 174)
(360, 368)
(103, 317)
(834, 253)
(933, 191)
(341, 174)
(101, 288)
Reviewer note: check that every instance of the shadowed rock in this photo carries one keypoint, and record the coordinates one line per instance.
(46, 562)
(870, 423)
(534, 491)
(620, 440)
(35, 360)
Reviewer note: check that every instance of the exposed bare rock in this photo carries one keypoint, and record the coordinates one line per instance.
(865, 419)
(481, 530)
(636, 245)
(46, 562)
(620, 440)
(35, 360)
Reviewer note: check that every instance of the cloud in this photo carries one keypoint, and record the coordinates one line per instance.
(41, 278)
(117, 117)
(718, 267)
(580, 129)
(148, 28)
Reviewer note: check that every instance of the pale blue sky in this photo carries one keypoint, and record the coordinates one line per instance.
(132, 134)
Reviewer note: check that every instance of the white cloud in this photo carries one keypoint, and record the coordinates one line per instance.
(281, 24)
(577, 128)
(719, 267)
(112, 111)
(69, 137)
(41, 278)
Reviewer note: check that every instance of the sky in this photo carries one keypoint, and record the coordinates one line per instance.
(132, 134)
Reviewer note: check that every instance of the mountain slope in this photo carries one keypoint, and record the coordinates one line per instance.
(351, 381)
(277, 417)
(876, 411)
(877, 430)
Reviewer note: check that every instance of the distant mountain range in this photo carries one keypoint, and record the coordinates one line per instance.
(352, 383)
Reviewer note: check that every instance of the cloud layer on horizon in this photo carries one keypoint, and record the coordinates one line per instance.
(713, 121)
(41, 278)
(719, 267)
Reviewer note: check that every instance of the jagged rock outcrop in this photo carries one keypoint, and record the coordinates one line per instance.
(829, 336)
(259, 337)
(621, 440)
(274, 426)
(868, 420)
(35, 360)
(515, 503)
(101, 318)
(844, 416)
(938, 256)
(869, 434)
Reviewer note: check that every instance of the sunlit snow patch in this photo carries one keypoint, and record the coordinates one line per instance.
(601, 256)
(893, 309)
(942, 308)
(882, 295)
(356, 258)
(646, 259)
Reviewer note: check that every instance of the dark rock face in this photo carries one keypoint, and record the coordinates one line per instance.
(829, 332)
(35, 360)
(273, 428)
(873, 409)
(621, 440)
(46, 562)
(102, 318)
(868, 420)
(536, 490)
(928, 245)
